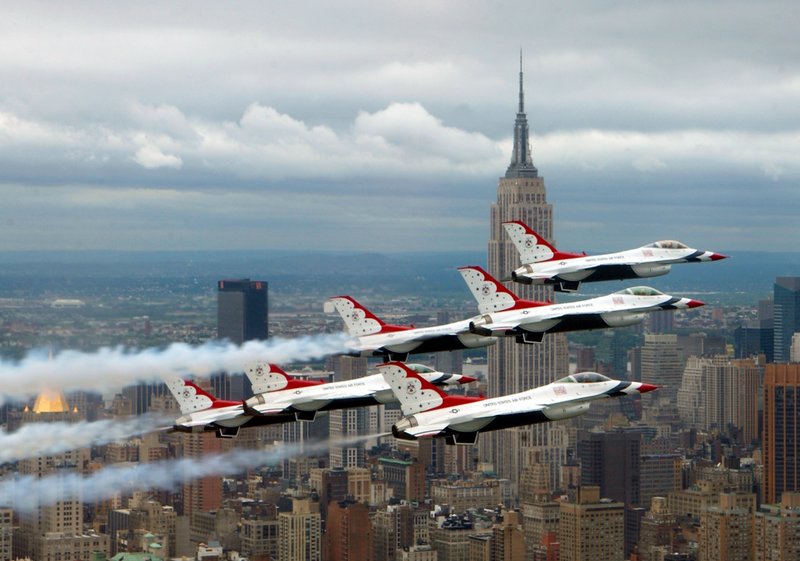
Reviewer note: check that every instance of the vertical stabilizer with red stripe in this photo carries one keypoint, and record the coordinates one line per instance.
(266, 377)
(414, 392)
(192, 398)
(358, 320)
(490, 294)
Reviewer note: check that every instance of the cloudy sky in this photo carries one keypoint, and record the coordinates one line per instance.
(385, 125)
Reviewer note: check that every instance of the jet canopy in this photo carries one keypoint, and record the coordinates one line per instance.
(667, 244)
(640, 291)
(583, 378)
(420, 368)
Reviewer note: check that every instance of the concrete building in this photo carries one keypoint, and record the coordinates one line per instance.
(394, 529)
(777, 530)
(656, 532)
(513, 367)
(720, 394)
(662, 363)
(344, 424)
(6, 534)
(348, 532)
(726, 530)
(591, 528)
(300, 532)
(659, 474)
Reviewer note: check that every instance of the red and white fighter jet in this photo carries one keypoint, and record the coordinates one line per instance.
(273, 394)
(503, 313)
(201, 411)
(544, 264)
(428, 412)
(374, 337)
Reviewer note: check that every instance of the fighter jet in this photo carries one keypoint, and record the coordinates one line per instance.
(374, 337)
(544, 264)
(201, 411)
(304, 402)
(428, 412)
(503, 313)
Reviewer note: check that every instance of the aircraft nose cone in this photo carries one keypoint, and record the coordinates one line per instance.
(695, 304)
(718, 256)
(644, 388)
(466, 379)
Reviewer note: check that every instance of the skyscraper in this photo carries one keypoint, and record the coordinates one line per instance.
(781, 426)
(514, 367)
(591, 528)
(344, 424)
(242, 310)
(300, 532)
(241, 316)
(786, 315)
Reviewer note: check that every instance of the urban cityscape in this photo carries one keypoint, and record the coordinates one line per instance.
(705, 468)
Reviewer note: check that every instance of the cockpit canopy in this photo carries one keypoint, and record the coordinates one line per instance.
(667, 244)
(640, 291)
(583, 378)
(420, 368)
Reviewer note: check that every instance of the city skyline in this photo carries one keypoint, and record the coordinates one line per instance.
(149, 127)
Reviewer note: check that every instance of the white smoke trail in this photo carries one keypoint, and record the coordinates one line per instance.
(27, 493)
(109, 370)
(40, 439)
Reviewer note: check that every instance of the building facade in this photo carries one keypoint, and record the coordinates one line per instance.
(781, 439)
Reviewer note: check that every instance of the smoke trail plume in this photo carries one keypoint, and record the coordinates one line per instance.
(41, 439)
(28, 493)
(108, 369)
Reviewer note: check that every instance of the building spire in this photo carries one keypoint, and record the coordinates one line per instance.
(521, 93)
(521, 161)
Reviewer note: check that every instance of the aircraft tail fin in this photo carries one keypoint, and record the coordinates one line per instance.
(490, 294)
(266, 377)
(192, 397)
(532, 247)
(414, 392)
(357, 319)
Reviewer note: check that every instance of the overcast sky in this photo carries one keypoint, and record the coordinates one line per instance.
(384, 126)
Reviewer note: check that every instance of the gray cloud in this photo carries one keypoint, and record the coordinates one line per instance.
(198, 113)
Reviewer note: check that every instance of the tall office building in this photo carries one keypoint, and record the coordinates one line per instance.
(590, 528)
(6, 527)
(785, 315)
(611, 461)
(344, 450)
(241, 316)
(348, 533)
(781, 441)
(726, 531)
(721, 394)
(777, 530)
(514, 367)
(242, 310)
(300, 532)
(662, 364)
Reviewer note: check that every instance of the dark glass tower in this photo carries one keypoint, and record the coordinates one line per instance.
(781, 430)
(241, 316)
(242, 310)
(785, 315)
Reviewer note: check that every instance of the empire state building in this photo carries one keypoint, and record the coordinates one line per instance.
(515, 367)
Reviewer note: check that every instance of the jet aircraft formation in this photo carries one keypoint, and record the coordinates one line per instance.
(427, 410)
